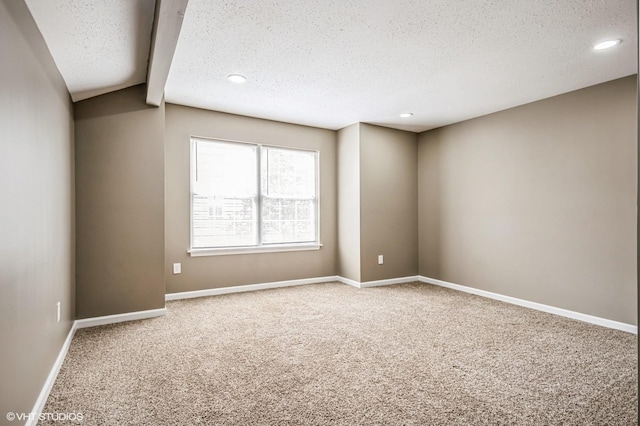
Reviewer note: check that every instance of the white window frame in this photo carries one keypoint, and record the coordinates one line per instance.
(260, 247)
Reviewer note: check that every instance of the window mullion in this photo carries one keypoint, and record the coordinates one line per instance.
(259, 196)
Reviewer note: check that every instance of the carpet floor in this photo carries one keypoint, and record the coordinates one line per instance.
(330, 354)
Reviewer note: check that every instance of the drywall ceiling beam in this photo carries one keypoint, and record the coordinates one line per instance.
(166, 30)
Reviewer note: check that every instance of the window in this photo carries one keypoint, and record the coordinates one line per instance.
(250, 197)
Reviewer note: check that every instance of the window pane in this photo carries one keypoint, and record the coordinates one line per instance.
(288, 196)
(288, 174)
(288, 221)
(225, 192)
(225, 169)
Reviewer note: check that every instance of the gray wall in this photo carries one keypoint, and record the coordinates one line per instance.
(349, 202)
(119, 204)
(231, 270)
(537, 202)
(36, 217)
(388, 202)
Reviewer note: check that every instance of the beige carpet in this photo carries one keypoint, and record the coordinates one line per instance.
(409, 354)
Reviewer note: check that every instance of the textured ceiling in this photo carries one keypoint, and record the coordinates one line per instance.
(98, 46)
(332, 63)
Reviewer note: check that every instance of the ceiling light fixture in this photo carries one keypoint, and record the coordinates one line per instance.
(607, 44)
(236, 78)
(406, 114)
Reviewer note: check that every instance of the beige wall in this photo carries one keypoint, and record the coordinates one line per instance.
(120, 204)
(388, 202)
(537, 202)
(232, 270)
(349, 202)
(378, 197)
(36, 216)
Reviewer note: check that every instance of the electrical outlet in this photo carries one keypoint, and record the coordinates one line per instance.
(177, 268)
(380, 259)
(58, 311)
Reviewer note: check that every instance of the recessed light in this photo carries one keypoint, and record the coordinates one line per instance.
(406, 114)
(607, 44)
(237, 78)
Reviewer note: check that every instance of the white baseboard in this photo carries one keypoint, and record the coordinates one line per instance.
(377, 283)
(51, 379)
(248, 287)
(629, 328)
(112, 319)
(349, 281)
(390, 281)
(278, 284)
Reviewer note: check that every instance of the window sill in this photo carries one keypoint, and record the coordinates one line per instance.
(198, 252)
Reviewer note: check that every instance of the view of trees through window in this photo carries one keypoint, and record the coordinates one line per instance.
(252, 195)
